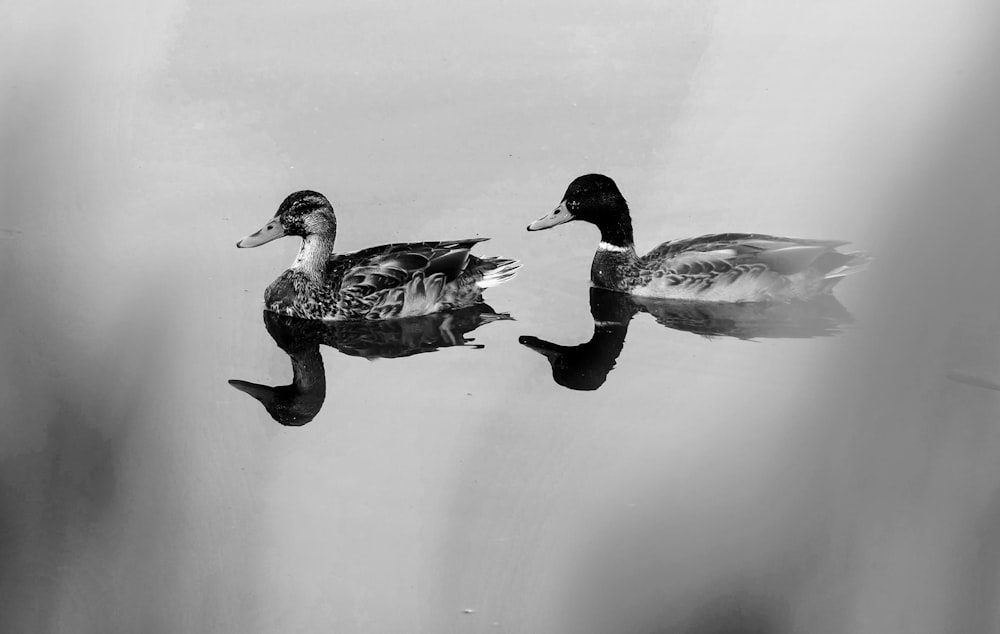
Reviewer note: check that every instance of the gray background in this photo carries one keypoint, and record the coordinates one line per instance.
(831, 485)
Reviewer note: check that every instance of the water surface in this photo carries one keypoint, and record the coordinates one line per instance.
(708, 479)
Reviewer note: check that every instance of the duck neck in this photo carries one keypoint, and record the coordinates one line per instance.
(616, 232)
(313, 255)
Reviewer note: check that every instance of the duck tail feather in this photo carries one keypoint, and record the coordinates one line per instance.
(501, 271)
(857, 261)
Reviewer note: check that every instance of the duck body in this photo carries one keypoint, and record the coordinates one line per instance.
(724, 267)
(384, 282)
(391, 281)
(727, 267)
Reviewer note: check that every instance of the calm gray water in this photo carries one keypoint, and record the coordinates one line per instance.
(771, 482)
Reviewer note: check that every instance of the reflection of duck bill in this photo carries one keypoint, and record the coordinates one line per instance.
(287, 404)
(546, 348)
(263, 393)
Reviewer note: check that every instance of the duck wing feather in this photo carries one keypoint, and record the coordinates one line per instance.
(393, 265)
(719, 253)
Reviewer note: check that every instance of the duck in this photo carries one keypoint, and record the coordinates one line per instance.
(389, 281)
(721, 267)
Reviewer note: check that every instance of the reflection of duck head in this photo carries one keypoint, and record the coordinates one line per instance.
(586, 366)
(298, 403)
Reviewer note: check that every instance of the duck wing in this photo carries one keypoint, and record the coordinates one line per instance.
(721, 252)
(406, 279)
(392, 265)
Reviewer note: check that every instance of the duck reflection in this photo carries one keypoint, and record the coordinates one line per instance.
(299, 402)
(586, 366)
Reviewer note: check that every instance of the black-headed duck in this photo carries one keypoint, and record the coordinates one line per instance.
(723, 267)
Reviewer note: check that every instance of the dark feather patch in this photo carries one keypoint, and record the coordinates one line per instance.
(451, 263)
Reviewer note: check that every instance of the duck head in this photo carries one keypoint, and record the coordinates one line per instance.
(593, 198)
(304, 213)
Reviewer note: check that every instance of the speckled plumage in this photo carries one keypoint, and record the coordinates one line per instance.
(726, 267)
(384, 282)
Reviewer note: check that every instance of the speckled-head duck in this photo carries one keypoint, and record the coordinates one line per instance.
(384, 282)
(723, 267)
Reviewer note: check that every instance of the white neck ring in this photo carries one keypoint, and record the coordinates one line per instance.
(607, 246)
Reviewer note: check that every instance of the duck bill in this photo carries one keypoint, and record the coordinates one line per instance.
(271, 231)
(557, 216)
